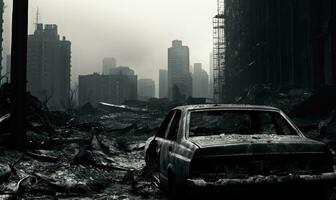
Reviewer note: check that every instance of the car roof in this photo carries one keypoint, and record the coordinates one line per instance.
(227, 107)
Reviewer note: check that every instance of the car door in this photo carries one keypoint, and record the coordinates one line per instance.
(169, 144)
(154, 151)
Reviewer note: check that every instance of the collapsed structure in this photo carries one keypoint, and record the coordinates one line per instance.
(276, 43)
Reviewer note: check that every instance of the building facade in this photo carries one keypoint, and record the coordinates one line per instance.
(114, 89)
(8, 67)
(163, 83)
(108, 64)
(2, 8)
(48, 66)
(200, 82)
(211, 76)
(122, 70)
(146, 89)
(179, 77)
(281, 44)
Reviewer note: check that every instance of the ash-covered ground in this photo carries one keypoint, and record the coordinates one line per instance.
(95, 156)
(97, 153)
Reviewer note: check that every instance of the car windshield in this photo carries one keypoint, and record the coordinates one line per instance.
(218, 122)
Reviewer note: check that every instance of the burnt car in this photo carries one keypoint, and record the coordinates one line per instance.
(222, 146)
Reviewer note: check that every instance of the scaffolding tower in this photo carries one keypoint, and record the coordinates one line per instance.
(219, 52)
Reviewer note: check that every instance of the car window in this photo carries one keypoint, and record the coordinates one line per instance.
(165, 124)
(266, 125)
(174, 127)
(283, 128)
(218, 122)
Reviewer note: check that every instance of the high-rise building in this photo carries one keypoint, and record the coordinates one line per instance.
(114, 89)
(146, 89)
(122, 70)
(108, 65)
(8, 67)
(1, 31)
(179, 77)
(48, 66)
(211, 76)
(293, 48)
(163, 83)
(200, 82)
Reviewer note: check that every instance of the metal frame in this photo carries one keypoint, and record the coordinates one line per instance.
(219, 52)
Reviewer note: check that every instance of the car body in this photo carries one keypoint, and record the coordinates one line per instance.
(220, 146)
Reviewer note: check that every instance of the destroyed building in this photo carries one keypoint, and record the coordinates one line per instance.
(101, 150)
(115, 88)
(48, 66)
(283, 44)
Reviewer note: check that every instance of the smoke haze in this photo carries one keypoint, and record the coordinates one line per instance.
(136, 32)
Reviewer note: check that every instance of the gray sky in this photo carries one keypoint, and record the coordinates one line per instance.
(136, 32)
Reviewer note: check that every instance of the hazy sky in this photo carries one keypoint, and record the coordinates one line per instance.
(136, 32)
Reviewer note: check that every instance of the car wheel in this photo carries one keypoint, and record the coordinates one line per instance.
(175, 191)
(172, 187)
(330, 194)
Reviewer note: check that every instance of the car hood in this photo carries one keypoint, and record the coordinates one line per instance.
(258, 144)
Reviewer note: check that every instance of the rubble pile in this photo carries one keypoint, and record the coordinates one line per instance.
(314, 113)
(84, 160)
(285, 99)
(316, 116)
(98, 152)
(94, 154)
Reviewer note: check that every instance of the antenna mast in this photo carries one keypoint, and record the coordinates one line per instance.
(37, 17)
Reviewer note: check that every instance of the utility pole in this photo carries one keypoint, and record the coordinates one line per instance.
(18, 72)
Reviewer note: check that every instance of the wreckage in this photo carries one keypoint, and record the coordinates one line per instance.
(219, 147)
(90, 153)
(97, 153)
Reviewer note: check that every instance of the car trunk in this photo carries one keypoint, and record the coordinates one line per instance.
(243, 156)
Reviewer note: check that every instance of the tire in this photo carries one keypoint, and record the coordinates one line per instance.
(330, 194)
(172, 187)
(175, 191)
(321, 194)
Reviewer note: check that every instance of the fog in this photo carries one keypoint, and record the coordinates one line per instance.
(136, 32)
